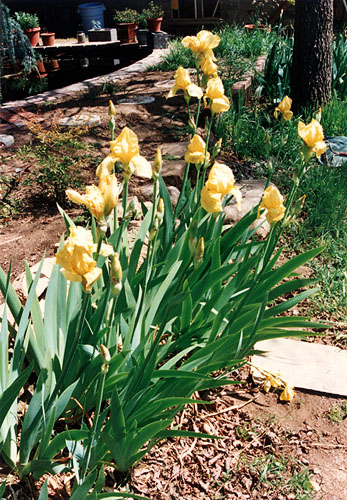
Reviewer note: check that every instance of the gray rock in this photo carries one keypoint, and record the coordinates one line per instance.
(175, 149)
(146, 193)
(6, 140)
(173, 171)
(174, 195)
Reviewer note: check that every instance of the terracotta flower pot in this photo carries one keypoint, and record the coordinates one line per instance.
(34, 35)
(260, 27)
(41, 69)
(48, 39)
(52, 65)
(126, 32)
(154, 25)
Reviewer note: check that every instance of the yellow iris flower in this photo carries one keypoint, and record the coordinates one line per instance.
(284, 108)
(183, 82)
(312, 136)
(76, 257)
(209, 67)
(272, 201)
(220, 182)
(202, 44)
(100, 200)
(196, 151)
(125, 148)
(215, 92)
(211, 201)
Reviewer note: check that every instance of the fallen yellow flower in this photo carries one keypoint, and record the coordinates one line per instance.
(183, 82)
(271, 381)
(288, 394)
(284, 108)
(272, 201)
(76, 257)
(197, 151)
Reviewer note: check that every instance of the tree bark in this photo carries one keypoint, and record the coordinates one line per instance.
(312, 53)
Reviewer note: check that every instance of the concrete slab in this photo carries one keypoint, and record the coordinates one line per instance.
(304, 365)
(80, 120)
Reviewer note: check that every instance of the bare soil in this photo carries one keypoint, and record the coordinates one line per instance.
(268, 446)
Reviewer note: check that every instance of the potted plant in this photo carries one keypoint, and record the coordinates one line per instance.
(126, 22)
(48, 39)
(142, 30)
(30, 24)
(99, 34)
(154, 14)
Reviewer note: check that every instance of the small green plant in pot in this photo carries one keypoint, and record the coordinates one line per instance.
(126, 22)
(30, 24)
(126, 16)
(154, 15)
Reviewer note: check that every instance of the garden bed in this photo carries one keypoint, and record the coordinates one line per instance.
(271, 449)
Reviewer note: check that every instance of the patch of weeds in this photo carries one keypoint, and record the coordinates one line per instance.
(53, 173)
(338, 412)
(278, 474)
(58, 160)
(178, 56)
(247, 431)
(9, 206)
(111, 88)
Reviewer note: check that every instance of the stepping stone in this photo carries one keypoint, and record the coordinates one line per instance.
(175, 149)
(6, 140)
(80, 120)
(11, 118)
(304, 365)
(31, 117)
(136, 99)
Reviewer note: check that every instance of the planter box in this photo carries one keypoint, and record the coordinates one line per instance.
(103, 35)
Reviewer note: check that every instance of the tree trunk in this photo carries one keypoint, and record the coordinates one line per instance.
(312, 54)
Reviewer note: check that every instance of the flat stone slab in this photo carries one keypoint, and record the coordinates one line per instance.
(6, 140)
(80, 120)
(304, 365)
(174, 149)
(136, 99)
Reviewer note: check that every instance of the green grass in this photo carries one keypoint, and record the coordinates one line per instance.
(236, 53)
(338, 412)
(279, 474)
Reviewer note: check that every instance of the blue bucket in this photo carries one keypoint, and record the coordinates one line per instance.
(93, 11)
